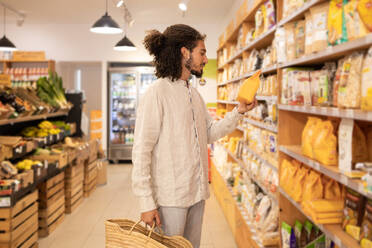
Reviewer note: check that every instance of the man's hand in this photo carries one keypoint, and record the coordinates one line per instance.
(150, 216)
(244, 107)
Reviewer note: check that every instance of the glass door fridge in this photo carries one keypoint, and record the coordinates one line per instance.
(125, 85)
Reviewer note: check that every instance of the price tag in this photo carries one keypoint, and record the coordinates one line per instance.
(349, 113)
(323, 111)
(369, 115)
(5, 201)
(46, 164)
(344, 180)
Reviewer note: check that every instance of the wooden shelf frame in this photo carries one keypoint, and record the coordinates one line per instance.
(32, 118)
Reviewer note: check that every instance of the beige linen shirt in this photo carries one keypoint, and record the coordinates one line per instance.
(170, 153)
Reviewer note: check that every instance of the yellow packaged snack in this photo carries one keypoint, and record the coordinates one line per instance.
(332, 190)
(335, 27)
(354, 231)
(313, 187)
(325, 144)
(324, 206)
(307, 136)
(354, 25)
(365, 12)
(359, 145)
(365, 243)
(299, 182)
(249, 88)
(367, 79)
(284, 169)
(289, 183)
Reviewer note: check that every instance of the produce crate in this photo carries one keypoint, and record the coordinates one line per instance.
(74, 186)
(26, 178)
(15, 147)
(51, 204)
(19, 224)
(93, 150)
(61, 159)
(90, 178)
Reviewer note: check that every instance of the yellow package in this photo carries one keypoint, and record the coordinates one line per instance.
(365, 12)
(324, 206)
(289, 183)
(325, 144)
(359, 145)
(367, 79)
(365, 243)
(332, 190)
(354, 231)
(299, 181)
(307, 136)
(335, 22)
(354, 25)
(284, 169)
(249, 88)
(313, 187)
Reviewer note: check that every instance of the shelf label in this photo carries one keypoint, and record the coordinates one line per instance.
(28, 56)
(349, 113)
(344, 180)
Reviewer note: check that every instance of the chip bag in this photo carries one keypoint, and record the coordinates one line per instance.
(308, 134)
(336, 27)
(365, 11)
(299, 184)
(249, 88)
(325, 144)
(332, 190)
(313, 187)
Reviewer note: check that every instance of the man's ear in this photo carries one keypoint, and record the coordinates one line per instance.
(185, 52)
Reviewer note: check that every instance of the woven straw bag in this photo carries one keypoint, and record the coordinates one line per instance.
(126, 233)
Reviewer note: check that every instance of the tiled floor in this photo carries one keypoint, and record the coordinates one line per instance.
(85, 227)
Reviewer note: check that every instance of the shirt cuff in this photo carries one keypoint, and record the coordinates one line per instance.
(147, 203)
(236, 113)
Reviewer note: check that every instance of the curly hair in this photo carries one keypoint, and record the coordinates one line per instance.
(166, 48)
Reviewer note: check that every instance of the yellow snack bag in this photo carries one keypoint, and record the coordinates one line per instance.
(284, 172)
(307, 136)
(289, 184)
(365, 12)
(325, 206)
(313, 187)
(299, 184)
(354, 25)
(335, 22)
(367, 79)
(365, 243)
(354, 231)
(249, 88)
(332, 190)
(325, 144)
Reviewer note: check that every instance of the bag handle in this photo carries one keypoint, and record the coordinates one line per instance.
(151, 230)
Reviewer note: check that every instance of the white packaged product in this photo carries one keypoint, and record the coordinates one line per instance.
(367, 81)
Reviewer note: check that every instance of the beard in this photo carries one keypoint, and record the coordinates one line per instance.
(188, 66)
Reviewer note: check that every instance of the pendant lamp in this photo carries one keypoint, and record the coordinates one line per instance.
(106, 25)
(125, 45)
(5, 43)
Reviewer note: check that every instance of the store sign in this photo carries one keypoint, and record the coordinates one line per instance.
(5, 80)
(29, 56)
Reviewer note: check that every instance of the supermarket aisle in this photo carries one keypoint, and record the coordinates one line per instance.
(85, 227)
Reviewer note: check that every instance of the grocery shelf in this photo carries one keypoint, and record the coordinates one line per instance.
(330, 171)
(332, 52)
(332, 231)
(227, 102)
(244, 167)
(264, 71)
(330, 111)
(263, 125)
(300, 13)
(267, 98)
(262, 160)
(32, 118)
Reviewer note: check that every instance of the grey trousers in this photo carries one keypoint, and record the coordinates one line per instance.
(186, 222)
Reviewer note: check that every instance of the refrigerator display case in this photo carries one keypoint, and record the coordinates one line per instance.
(126, 85)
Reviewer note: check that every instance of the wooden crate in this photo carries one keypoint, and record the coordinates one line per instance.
(73, 170)
(74, 187)
(19, 224)
(74, 201)
(90, 187)
(52, 204)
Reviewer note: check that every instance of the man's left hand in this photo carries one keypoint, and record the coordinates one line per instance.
(245, 107)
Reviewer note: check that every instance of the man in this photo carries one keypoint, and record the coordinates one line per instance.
(173, 128)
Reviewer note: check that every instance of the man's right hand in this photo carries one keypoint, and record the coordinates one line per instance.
(150, 216)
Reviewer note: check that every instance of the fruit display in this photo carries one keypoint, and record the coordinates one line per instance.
(27, 164)
(48, 151)
(51, 91)
(44, 129)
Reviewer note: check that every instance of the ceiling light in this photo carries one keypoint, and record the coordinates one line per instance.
(125, 45)
(5, 44)
(106, 25)
(119, 3)
(182, 6)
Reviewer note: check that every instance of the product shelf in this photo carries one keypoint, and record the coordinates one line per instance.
(244, 167)
(332, 52)
(333, 231)
(262, 41)
(267, 98)
(330, 111)
(262, 160)
(330, 171)
(271, 128)
(227, 102)
(300, 13)
(264, 71)
(32, 118)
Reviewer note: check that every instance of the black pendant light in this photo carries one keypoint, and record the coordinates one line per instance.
(106, 25)
(5, 43)
(125, 45)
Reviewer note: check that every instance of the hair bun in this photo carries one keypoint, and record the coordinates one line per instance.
(154, 42)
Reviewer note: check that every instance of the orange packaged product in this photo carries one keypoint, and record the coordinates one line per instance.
(249, 88)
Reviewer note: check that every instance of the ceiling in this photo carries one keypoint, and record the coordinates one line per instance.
(143, 11)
